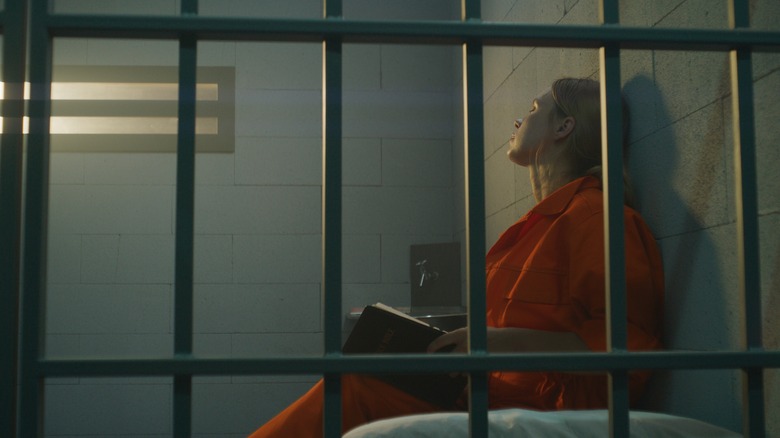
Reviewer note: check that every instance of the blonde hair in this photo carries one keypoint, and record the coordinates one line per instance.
(581, 99)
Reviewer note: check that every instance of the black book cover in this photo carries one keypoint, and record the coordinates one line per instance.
(384, 330)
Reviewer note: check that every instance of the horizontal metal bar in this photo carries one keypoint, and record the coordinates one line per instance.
(420, 32)
(412, 363)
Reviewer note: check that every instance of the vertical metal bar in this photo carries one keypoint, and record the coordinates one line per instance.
(33, 329)
(185, 212)
(331, 215)
(747, 217)
(474, 127)
(753, 410)
(475, 220)
(614, 244)
(612, 163)
(471, 10)
(609, 12)
(11, 150)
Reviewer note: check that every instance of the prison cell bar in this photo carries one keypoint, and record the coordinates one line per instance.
(44, 26)
(33, 325)
(331, 216)
(416, 32)
(14, 27)
(362, 364)
(474, 139)
(185, 225)
(614, 245)
(746, 186)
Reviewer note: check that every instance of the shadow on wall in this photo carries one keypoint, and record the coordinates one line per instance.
(695, 297)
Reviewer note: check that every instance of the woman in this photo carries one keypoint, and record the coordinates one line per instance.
(545, 279)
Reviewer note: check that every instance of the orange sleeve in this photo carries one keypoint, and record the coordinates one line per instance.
(644, 289)
(644, 284)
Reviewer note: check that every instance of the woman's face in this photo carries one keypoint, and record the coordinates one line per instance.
(532, 132)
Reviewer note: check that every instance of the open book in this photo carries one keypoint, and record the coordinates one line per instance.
(384, 330)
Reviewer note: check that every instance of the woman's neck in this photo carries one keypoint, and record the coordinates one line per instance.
(547, 179)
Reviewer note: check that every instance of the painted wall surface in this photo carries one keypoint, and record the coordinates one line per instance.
(258, 220)
(681, 161)
(258, 210)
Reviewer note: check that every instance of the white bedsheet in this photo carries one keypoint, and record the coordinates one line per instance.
(518, 423)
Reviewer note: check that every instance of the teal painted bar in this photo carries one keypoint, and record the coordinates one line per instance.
(747, 233)
(33, 324)
(475, 178)
(753, 410)
(413, 32)
(746, 184)
(475, 220)
(185, 195)
(182, 405)
(612, 173)
(414, 363)
(614, 245)
(331, 425)
(332, 195)
(609, 12)
(331, 217)
(619, 425)
(189, 7)
(14, 26)
(753, 406)
(185, 211)
(185, 228)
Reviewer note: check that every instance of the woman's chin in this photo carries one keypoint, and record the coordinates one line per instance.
(517, 158)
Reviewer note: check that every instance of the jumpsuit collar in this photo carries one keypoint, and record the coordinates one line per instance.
(558, 200)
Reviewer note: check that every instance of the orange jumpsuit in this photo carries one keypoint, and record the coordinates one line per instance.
(545, 272)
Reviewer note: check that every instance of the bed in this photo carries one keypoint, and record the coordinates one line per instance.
(518, 423)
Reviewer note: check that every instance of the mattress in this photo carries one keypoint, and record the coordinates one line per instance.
(517, 423)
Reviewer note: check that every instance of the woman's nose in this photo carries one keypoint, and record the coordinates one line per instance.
(518, 122)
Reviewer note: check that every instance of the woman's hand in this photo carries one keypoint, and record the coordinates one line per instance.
(455, 341)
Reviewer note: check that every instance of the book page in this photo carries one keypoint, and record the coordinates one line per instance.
(394, 311)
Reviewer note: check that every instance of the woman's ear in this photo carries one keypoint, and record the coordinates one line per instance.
(565, 127)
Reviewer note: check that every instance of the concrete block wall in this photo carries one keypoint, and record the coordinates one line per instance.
(258, 221)
(682, 166)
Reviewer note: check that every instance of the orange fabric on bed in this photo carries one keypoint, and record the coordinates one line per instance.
(364, 399)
